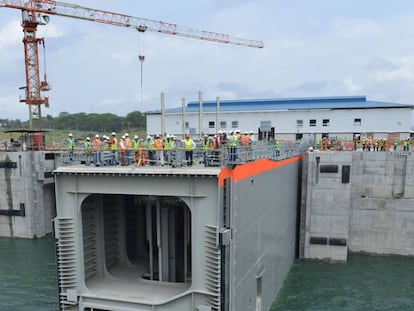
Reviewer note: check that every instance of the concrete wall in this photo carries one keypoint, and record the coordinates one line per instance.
(374, 212)
(27, 205)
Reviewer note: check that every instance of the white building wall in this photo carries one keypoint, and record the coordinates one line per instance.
(379, 120)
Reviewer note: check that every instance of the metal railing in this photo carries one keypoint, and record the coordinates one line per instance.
(178, 157)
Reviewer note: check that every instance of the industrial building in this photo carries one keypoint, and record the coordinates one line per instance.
(288, 119)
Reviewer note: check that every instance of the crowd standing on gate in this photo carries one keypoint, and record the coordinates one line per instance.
(154, 150)
(210, 150)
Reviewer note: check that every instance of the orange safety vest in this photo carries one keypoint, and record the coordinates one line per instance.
(122, 145)
(244, 140)
(158, 143)
(95, 144)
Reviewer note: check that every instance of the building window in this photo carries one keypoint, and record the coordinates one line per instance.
(234, 124)
(211, 124)
(325, 122)
(299, 136)
(357, 121)
(312, 122)
(299, 123)
(223, 124)
(187, 125)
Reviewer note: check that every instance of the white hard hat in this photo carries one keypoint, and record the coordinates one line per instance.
(113, 133)
(148, 137)
(97, 136)
(123, 136)
(126, 134)
(88, 138)
(136, 137)
(70, 135)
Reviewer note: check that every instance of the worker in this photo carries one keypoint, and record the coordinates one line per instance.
(71, 146)
(204, 149)
(167, 149)
(149, 146)
(277, 149)
(88, 150)
(188, 147)
(245, 145)
(396, 143)
(406, 144)
(128, 150)
(113, 143)
(137, 150)
(96, 148)
(159, 150)
(122, 150)
(324, 144)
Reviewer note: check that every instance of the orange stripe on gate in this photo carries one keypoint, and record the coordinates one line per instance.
(241, 172)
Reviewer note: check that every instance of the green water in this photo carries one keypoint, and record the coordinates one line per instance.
(28, 275)
(28, 282)
(364, 283)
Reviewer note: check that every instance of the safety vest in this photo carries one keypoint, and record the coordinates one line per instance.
(114, 144)
(88, 146)
(122, 145)
(136, 145)
(233, 142)
(167, 144)
(128, 143)
(205, 145)
(188, 144)
(277, 146)
(95, 144)
(244, 140)
(158, 143)
(149, 144)
(71, 143)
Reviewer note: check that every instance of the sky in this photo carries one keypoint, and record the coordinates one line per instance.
(311, 48)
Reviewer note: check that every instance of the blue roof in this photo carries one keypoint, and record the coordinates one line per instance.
(343, 102)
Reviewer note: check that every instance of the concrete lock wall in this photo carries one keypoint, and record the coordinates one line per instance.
(28, 204)
(372, 212)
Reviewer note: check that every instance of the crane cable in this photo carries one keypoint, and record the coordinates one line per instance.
(141, 56)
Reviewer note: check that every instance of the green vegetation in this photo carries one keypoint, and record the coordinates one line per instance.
(80, 124)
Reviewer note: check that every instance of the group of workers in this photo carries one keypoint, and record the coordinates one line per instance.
(158, 150)
(367, 144)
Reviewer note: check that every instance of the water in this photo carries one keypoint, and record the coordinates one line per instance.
(28, 282)
(364, 283)
(28, 279)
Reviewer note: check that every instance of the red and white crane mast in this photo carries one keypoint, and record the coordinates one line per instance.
(37, 12)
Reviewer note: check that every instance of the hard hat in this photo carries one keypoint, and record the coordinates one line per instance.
(123, 136)
(113, 134)
(148, 137)
(157, 136)
(70, 135)
(220, 132)
(237, 131)
(205, 136)
(97, 136)
(136, 137)
(88, 138)
(245, 132)
(126, 134)
(251, 132)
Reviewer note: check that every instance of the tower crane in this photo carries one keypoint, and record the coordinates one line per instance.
(37, 13)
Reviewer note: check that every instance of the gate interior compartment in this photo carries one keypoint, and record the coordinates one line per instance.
(136, 241)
